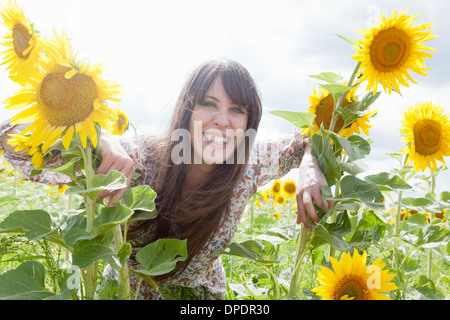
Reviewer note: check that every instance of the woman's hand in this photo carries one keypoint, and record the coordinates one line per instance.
(114, 157)
(311, 180)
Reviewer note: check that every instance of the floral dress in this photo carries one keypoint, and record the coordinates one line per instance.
(205, 275)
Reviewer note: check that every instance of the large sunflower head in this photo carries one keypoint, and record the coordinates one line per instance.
(351, 279)
(64, 98)
(23, 41)
(427, 134)
(322, 105)
(392, 48)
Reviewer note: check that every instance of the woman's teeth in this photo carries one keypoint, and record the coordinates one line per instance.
(216, 139)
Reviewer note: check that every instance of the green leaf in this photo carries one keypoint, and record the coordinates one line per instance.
(161, 256)
(75, 230)
(353, 150)
(366, 192)
(262, 251)
(323, 151)
(34, 223)
(329, 77)
(124, 253)
(5, 200)
(110, 217)
(336, 90)
(69, 169)
(416, 203)
(348, 39)
(417, 219)
(368, 227)
(299, 119)
(367, 100)
(114, 180)
(388, 180)
(429, 236)
(348, 115)
(445, 196)
(140, 198)
(26, 282)
(89, 251)
(427, 289)
(322, 236)
(354, 167)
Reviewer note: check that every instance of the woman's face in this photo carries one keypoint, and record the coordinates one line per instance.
(217, 126)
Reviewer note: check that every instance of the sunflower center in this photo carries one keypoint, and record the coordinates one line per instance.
(121, 121)
(21, 38)
(276, 188)
(66, 102)
(352, 286)
(389, 50)
(427, 136)
(324, 111)
(289, 188)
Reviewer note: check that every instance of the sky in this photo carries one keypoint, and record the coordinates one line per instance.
(150, 47)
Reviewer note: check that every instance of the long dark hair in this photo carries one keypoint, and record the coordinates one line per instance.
(197, 216)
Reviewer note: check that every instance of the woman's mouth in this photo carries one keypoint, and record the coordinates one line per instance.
(209, 137)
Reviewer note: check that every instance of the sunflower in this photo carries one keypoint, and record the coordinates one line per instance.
(275, 189)
(427, 134)
(392, 48)
(23, 41)
(63, 99)
(23, 143)
(120, 123)
(352, 280)
(279, 199)
(289, 189)
(322, 105)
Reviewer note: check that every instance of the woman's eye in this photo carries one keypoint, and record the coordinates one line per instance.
(208, 104)
(239, 110)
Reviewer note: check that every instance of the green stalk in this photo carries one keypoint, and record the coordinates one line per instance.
(430, 250)
(91, 271)
(123, 272)
(275, 282)
(302, 245)
(337, 105)
(398, 216)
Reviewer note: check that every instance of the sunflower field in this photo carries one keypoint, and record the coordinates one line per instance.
(378, 239)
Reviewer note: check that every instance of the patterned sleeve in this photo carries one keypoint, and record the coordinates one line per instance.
(272, 159)
(22, 163)
(142, 150)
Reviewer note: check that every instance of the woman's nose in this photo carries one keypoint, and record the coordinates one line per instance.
(221, 119)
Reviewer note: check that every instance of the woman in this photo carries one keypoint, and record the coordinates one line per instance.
(204, 170)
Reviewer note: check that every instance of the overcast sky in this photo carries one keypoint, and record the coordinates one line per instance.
(150, 47)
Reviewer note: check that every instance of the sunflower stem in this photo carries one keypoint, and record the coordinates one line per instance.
(123, 272)
(338, 104)
(91, 271)
(398, 216)
(430, 250)
(302, 245)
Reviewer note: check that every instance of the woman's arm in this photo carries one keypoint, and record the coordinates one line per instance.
(276, 158)
(309, 189)
(114, 157)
